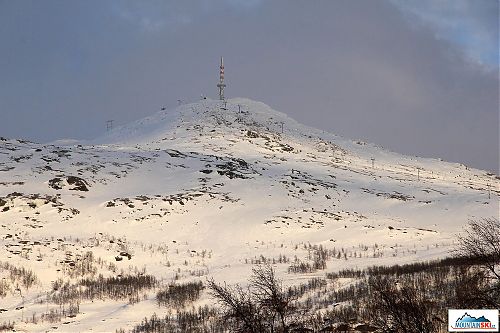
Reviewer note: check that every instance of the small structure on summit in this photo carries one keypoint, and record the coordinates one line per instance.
(221, 85)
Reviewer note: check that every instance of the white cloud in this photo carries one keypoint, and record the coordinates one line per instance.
(470, 24)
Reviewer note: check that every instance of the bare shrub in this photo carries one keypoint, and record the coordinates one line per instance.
(55, 315)
(401, 308)
(481, 239)
(179, 294)
(473, 290)
(317, 258)
(117, 288)
(25, 277)
(4, 288)
(201, 320)
(84, 265)
(6, 326)
(264, 306)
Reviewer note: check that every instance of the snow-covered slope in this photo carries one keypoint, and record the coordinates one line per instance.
(207, 189)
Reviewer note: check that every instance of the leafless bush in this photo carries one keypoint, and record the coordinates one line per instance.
(178, 295)
(296, 292)
(4, 288)
(57, 314)
(346, 273)
(121, 287)
(399, 308)
(201, 320)
(116, 287)
(7, 326)
(473, 290)
(481, 239)
(264, 307)
(239, 308)
(25, 277)
(317, 257)
(84, 265)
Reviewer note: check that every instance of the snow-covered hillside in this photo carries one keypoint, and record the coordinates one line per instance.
(206, 190)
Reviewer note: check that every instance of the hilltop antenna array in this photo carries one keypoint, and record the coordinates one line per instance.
(221, 85)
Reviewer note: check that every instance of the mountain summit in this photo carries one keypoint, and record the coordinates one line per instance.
(231, 172)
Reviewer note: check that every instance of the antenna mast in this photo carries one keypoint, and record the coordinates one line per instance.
(109, 125)
(221, 85)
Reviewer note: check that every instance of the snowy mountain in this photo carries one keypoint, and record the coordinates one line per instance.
(206, 190)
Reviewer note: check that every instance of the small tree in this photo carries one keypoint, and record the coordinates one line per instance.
(481, 241)
(269, 294)
(401, 308)
(239, 310)
(263, 307)
(473, 289)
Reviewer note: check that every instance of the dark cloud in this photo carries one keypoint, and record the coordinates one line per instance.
(356, 68)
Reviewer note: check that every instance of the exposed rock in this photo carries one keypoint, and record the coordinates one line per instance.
(252, 134)
(79, 183)
(174, 153)
(126, 254)
(56, 183)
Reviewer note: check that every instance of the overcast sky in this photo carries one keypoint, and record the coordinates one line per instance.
(418, 77)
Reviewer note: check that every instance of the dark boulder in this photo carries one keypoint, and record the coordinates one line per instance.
(79, 183)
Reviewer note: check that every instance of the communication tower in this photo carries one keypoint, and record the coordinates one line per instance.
(221, 85)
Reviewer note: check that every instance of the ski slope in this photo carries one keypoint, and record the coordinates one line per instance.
(204, 190)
